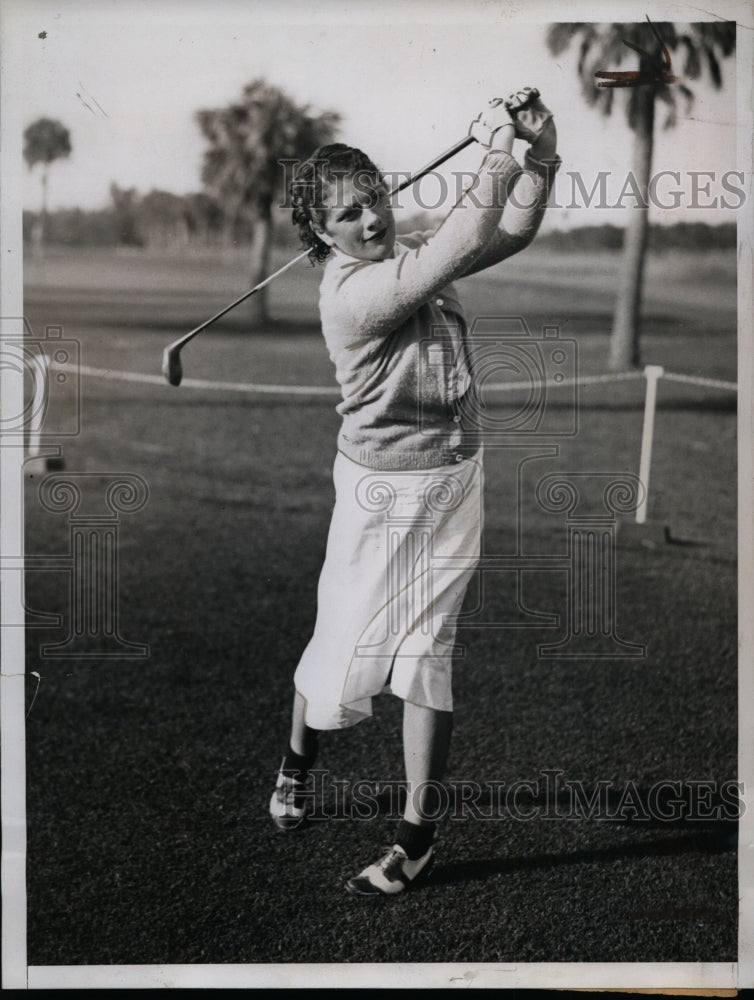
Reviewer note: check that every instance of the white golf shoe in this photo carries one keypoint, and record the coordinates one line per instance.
(393, 873)
(291, 803)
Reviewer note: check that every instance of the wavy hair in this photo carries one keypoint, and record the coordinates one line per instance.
(309, 188)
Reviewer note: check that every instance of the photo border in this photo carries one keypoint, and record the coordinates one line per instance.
(16, 973)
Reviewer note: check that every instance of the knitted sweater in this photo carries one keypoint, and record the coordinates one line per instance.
(396, 332)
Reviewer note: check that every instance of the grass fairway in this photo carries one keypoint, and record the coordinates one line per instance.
(149, 779)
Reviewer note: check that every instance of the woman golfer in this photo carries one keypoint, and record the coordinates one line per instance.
(405, 534)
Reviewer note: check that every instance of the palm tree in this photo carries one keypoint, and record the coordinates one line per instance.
(602, 47)
(242, 168)
(125, 215)
(163, 220)
(45, 141)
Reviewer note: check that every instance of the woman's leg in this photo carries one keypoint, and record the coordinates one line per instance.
(303, 738)
(292, 800)
(426, 743)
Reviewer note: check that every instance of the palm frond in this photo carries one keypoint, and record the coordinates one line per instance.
(559, 36)
(667, 97)
(692, 65)
(716, 35)
(714, 68)
(688, 96)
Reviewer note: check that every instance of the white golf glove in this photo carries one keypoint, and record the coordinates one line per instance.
(495, 116)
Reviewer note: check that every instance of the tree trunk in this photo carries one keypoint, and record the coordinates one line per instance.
(228, 235)
(43, 218)
(261, 245)
(624, 340)
(39, 228)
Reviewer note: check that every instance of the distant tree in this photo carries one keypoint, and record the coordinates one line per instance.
(242, 170)
(603, 47)
(125, 210)
(163, 220)
(206, 220)
(45, 141)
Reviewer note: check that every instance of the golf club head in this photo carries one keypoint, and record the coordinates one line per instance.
(172, 368)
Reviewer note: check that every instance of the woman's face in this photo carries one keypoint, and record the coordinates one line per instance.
(358, 218)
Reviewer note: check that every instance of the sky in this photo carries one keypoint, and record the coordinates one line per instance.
(126, 78)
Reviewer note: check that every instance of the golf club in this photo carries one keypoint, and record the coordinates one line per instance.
(172, 368)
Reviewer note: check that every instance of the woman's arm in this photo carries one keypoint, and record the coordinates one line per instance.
(521, 218)
(375, 297)
(526, 207)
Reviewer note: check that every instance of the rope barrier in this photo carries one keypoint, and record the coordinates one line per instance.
(114, 375)
(651, 373)
(325, 390)
(712, 383)
(552, 383)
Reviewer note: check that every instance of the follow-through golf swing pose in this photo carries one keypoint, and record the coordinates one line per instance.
(172, 367)
(405, 533)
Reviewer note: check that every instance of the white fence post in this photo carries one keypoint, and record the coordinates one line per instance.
(652, 373)
(39, 405)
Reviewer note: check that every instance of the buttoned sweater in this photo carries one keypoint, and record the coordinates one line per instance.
(396, 331)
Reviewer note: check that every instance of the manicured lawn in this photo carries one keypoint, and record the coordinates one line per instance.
(148, 779)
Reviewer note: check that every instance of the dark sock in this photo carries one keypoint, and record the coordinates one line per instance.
(415, 840)
(297, 766)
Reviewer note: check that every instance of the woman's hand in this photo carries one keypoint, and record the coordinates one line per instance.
(494, 128)
(545, 145)
(534, 123)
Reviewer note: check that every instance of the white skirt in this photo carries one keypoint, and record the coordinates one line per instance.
(401, 551)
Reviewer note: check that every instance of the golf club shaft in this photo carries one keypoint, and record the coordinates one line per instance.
(438, 161)
(171, 366)
(404, 184)
(237, 302)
